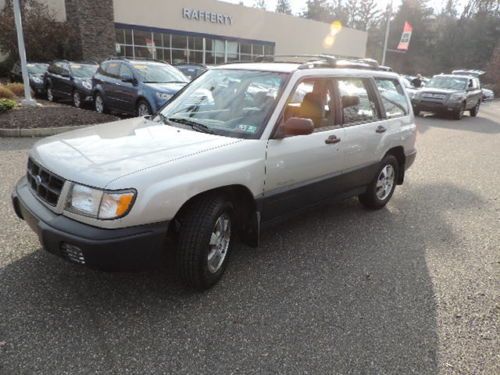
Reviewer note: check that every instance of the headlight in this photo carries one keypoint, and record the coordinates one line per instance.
(457, 97)
(87, 85)
(99, 204)
(37, 79)
(163, 95)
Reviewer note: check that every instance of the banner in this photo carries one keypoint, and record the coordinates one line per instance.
(405, 37)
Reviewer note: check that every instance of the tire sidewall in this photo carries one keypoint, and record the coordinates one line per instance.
(212, 278)
(372, 188)
(143, 102)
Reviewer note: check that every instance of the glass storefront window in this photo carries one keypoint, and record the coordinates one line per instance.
(178, 56)
(246, 48)
(196, 43)
(142, 38)
(179, 41)
(178, 48)
(120, 36)
(268, 50)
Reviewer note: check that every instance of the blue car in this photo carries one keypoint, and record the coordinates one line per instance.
(135, 87)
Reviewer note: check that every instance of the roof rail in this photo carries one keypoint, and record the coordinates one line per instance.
(325, 61)
(135, 58)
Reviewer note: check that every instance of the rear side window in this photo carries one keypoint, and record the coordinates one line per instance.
(393, 97)
(358, 106)
(113, 69)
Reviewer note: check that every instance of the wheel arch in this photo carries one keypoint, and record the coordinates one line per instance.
(245, 209)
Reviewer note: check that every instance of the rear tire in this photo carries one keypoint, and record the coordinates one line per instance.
(380, 190)
(474, 111)
(204, 241)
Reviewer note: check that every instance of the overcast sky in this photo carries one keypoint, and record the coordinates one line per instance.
(299, 5)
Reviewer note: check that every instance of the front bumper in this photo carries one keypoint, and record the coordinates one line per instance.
(428, 106)
(124, 248)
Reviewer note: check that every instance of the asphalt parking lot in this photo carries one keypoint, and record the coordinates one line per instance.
(412, 288)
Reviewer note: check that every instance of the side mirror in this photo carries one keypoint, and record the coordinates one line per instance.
(295, 126)
(129, 79)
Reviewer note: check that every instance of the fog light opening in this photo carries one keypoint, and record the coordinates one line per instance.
(72, 253)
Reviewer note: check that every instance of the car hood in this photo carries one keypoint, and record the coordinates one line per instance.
(100, 154)
(438, 91)
(169, 87)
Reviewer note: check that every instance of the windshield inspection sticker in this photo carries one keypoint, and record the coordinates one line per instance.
(248, 128)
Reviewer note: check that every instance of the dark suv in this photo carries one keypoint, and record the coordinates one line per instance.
(449, 93)
(36, 72)
(70, 80)
(134, 86)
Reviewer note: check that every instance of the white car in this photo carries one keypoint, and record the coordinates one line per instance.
(246, 152)
(488, 94)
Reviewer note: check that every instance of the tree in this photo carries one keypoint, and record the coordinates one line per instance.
(261, 4)
(319, 10)
(45, 38)
(283, 6)
(361, 14)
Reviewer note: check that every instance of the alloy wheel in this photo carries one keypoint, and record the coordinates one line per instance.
(143, 110)
(219, 242)
(99, 104)
(77, 102)
(50, 95)
(385, 182)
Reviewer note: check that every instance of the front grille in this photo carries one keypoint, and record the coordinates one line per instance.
(44, 183)
(434, 97)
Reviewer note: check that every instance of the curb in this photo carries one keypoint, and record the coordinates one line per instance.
(37, 132)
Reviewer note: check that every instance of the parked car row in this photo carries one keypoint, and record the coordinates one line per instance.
(133, 87)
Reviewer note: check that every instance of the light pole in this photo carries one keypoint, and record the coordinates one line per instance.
(27, 101)
(387, 29)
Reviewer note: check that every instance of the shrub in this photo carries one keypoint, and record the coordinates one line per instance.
(6, 93)
(16, 88)
(6, 104)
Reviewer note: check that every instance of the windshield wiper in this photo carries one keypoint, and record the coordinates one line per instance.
(194, 125)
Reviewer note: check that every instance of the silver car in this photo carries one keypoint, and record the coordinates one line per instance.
(241, 147)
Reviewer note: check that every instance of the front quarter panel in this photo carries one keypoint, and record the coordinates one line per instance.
(164, 189)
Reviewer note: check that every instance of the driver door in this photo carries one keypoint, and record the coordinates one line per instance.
(303, 170)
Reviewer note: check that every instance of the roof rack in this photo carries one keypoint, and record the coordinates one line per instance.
(325, 61)
(134, 59)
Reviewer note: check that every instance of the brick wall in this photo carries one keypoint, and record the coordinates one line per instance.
(94, 24)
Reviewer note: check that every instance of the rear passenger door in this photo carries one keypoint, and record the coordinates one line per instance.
(302, 170)
(365, 129)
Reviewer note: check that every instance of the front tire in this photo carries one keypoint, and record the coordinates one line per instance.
(380, 190)
(459, 113)
(50, 94)
(99, 105)
(77, 99)
(143, 108)
(474, 111)
(204, 241)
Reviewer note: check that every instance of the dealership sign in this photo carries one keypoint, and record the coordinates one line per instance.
(203, 15)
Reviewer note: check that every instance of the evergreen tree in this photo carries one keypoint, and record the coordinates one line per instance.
(261, 4)
(283, 6)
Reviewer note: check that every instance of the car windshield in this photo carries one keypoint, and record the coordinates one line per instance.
(234, 103)
(159, 73)
(37, 69)
(451, 83)
(83, 70)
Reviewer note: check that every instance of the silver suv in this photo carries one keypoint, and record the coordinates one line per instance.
(242, 146)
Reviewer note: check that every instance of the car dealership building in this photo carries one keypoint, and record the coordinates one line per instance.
(198, 31)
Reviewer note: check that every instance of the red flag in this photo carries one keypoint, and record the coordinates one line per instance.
(405, 37)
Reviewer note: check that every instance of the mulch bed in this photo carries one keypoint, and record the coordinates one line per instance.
(51, 116)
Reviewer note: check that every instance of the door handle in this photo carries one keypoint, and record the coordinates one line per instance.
(332, 140)
(380, 129)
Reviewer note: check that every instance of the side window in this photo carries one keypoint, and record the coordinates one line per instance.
(312, 99)
(103, 68)
(63, 69)
(125, 72)
(393, 97)
(358, 106)
(113, 69)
